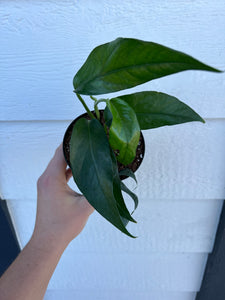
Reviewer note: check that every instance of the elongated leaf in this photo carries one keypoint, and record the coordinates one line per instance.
(131, 194)
(125, 63)
(124, 213)
(129, 173)
(124, 131)
(92, 169)
(155, 109)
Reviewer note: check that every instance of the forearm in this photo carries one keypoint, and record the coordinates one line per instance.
(28, 276)
(61, 216)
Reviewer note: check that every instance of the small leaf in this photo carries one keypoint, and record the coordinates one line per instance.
(128, 172)
(155, 109)
(124, 132)
(131, 194)
(124, 213)
(92, 168)
(125, 63)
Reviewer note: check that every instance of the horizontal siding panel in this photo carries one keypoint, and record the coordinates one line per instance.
(181, 162)
(134, 272)
(163, 226)
(116, 294)
(43, 45)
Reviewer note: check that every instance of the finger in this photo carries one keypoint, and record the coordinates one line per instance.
(57, 165)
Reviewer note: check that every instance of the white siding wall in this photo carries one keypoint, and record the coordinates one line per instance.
(182, 179)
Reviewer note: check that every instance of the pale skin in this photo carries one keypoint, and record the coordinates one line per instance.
(61, 216)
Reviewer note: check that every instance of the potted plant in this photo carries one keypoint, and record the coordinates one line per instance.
(104, 147)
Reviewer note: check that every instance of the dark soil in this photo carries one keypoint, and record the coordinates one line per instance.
(133, 166)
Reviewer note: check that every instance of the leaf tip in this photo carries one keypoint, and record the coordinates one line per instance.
(130, 235)
(219, 71)
(203, 121)
(134, 237)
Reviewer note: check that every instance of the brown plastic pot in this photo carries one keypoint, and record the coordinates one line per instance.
(132, 166)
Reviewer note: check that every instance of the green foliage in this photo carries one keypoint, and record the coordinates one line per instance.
(155, 109)
(94, 171)
(124, 132)
(98, 144)
(125, 63)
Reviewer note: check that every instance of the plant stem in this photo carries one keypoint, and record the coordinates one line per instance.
(85, 106)
(97, 112)
(99, 101)
(96, 106)
(93, 98)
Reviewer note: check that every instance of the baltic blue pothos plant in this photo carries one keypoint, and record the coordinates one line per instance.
(121, 64)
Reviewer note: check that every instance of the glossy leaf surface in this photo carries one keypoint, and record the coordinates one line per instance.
(124, 132)
(155, 109)
(125, 63)
(93, 169)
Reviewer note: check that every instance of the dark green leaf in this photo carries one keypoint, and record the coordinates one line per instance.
(124, 132)
(124, 213)
(129, 173)
(155, 109)
(125, 63)
(92, 168)
(131, 194)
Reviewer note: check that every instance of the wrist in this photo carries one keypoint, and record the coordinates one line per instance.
(47, 241)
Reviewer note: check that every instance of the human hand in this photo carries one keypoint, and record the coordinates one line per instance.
(61, 212)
